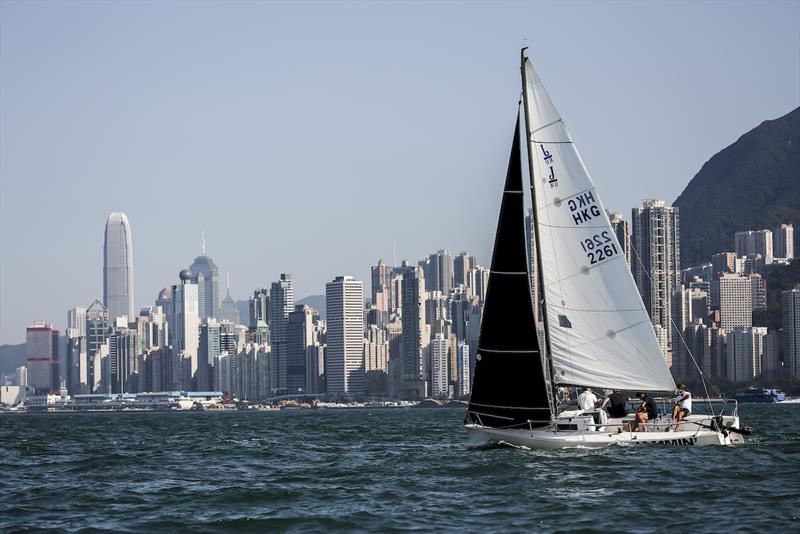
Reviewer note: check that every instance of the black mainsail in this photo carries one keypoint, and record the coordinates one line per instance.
(509, 387)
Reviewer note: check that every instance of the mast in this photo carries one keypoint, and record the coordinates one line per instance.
(534, 214)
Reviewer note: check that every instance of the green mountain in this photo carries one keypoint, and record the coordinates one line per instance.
(752, 184)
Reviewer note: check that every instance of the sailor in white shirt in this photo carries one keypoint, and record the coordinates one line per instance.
(683, 406)
(587, 400)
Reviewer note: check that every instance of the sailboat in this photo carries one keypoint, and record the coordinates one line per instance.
(597, 332)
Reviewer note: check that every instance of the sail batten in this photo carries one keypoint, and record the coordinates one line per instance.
(599, 332)
(509, 387)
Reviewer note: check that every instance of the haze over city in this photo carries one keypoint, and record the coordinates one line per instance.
(309, 138)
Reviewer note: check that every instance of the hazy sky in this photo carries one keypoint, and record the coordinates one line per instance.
(309, 137)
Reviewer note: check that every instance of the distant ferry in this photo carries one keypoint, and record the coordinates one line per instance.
(754, 394)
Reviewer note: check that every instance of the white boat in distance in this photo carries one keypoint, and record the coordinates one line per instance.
(597, 332)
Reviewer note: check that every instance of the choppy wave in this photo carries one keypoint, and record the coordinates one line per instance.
(378, 470)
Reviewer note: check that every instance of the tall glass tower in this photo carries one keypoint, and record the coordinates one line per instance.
(118, 267)
(206, 275)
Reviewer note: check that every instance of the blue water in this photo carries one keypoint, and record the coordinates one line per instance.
(379, 470)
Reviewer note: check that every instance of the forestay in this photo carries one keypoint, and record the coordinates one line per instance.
(600, 332)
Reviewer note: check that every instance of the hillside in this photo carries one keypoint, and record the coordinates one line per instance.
(752, 184)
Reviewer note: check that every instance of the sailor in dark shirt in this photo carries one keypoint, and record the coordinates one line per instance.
(617, 404)
(647, 411)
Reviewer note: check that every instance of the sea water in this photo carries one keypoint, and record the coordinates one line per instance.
(379, 470)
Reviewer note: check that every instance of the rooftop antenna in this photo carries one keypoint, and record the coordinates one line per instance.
(394, 254)
(203, 233)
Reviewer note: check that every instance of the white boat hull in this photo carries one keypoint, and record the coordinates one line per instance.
(551, 438)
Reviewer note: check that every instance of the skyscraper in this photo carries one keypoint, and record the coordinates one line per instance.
(754, 242)
(790, 300)
(281, 304)
(657, 269)
(784, 241)
(415, 338)
(735, 301)
(210, 347)
(759, 291)
(42, 357)
(438, 270)
(76, 321)
(463, 382)
(118, 267)
(76, 371)
(97, 331)
(299, 336)
(381, 276)
(744, 351)
(440, 352)
(259, 307)
(185, 340)
(462, 265)
(206, 275)
(228, 311)
(164, 301)
(344, 301)
(622, 229)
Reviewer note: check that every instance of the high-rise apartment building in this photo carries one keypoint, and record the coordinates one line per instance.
(344, 301)
(281, 304)
(477, 282)
(758, 287)
(735, 301)
(790, 300)
(783, 241)
(754, 242)
(438, 270)
(623, 232)
(657, 269)
(206, 275)
(376, 360)
(42, 357)
(463, 381)
(744, 351)
(440, 353)
(462, 265)
(415, 338)
(118, 267)
(770, 360)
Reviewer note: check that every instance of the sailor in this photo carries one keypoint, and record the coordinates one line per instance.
(645, 412)
(617, 404)
(587, 401)
(683, 406)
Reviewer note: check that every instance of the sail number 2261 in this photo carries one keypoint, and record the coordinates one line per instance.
(599, 247)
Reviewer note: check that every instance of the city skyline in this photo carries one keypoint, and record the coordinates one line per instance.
(104, 122)
(422, 331)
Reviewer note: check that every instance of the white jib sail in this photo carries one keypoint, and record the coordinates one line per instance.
(600, 332)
